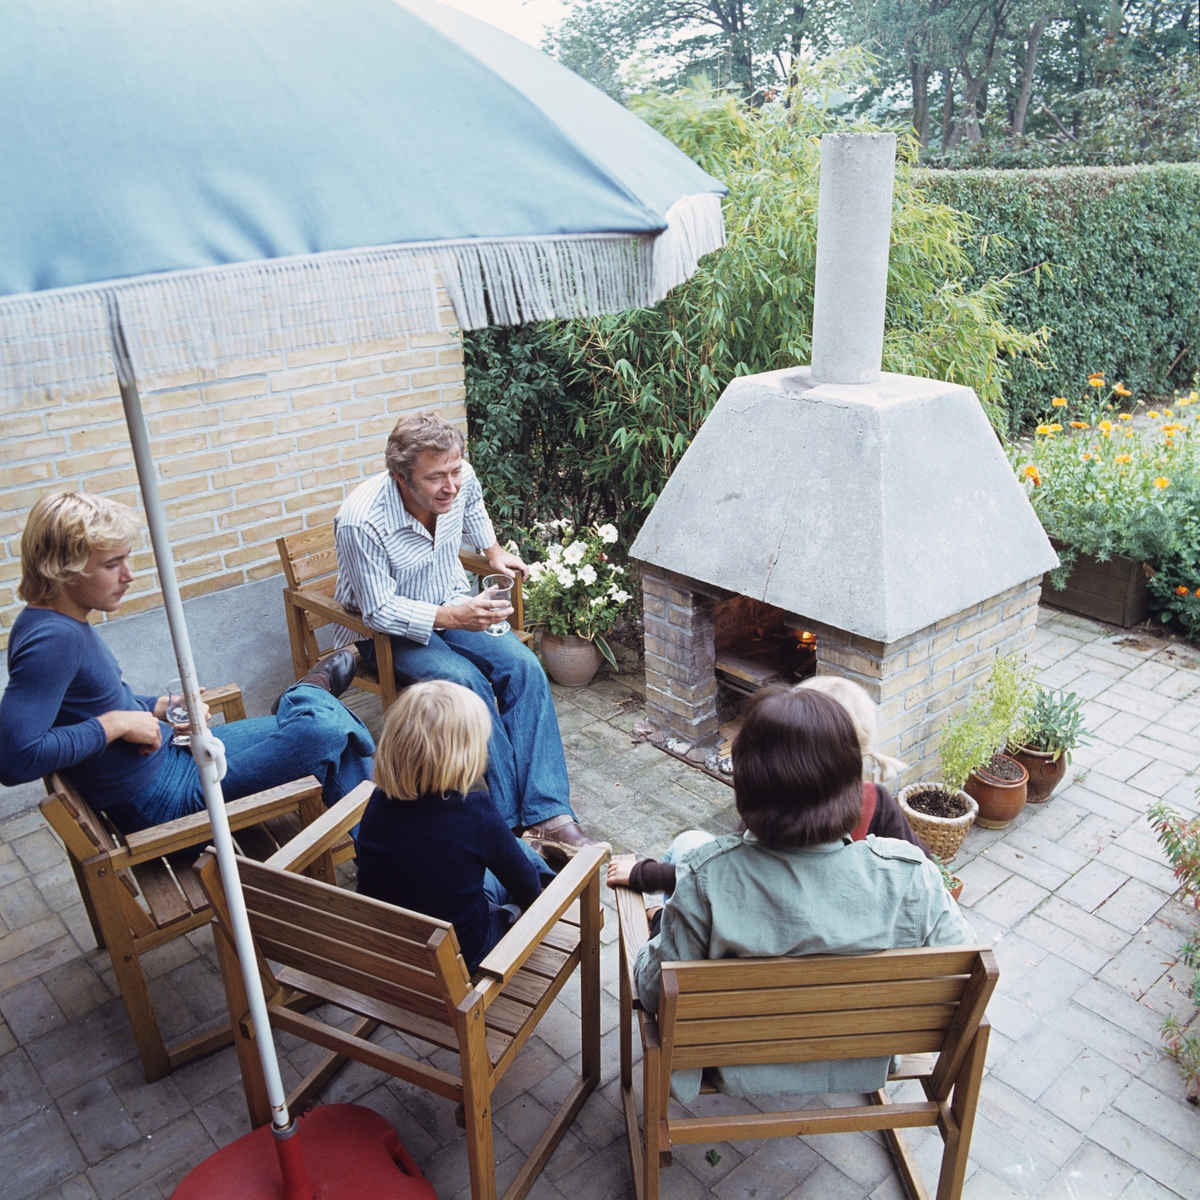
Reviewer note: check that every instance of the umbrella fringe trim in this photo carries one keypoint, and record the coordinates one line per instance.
(186, 325)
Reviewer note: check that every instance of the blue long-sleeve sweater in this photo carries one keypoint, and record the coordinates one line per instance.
(429, 855)
(61, 679)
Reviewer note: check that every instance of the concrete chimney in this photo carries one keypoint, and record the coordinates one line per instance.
(854, 229)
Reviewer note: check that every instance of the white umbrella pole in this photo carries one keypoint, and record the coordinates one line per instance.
(207, 750)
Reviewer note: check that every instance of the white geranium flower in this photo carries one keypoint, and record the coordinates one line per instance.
(617, 595)
(573, 554)
(607, 533)
(588, 574)
(536, 571)
(565, 577)
(599, 601)
(618, 570)
(554, 551)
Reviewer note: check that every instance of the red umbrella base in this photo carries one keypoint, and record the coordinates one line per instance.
(350, 1152)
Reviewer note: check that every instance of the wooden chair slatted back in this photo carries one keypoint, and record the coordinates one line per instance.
(400, 958)
(769, 1011)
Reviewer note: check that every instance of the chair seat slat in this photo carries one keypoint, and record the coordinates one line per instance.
(161, 893)
(197, 900)
(707, 1030)
(256, 843)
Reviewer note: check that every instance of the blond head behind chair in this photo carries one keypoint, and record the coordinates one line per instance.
(865, 715)
(62, 533)
(434, 741)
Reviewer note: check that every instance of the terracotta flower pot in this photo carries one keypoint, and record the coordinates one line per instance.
(572, 661)
(1045, 772)
(999, 800)
(957, 889)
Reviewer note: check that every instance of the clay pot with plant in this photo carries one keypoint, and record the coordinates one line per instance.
(941, 813)
(1054, 728)
(997, 782)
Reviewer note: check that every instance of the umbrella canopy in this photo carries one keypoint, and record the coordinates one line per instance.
(263, 176)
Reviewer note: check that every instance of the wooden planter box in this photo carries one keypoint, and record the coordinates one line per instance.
(1113, 591)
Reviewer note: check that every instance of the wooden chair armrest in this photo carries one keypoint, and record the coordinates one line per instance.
(312, 841)
(187, 831)
(634, 927)
(475, 563)
(509, 956)
(226, 699)
(331, 610)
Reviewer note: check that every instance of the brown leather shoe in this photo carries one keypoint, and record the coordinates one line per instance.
(560, 838)
(334, 673)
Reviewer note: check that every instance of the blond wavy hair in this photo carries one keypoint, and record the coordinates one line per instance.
(434, 741)
(64, 530)
(864, 713)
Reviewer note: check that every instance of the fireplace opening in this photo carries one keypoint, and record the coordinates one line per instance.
(756, 646)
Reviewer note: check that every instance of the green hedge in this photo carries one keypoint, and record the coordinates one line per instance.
(1123, 292)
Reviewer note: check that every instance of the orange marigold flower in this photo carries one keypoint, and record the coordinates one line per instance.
(1059, 402)
(1125, 417)
(1080, 425)
(1122, 390)
(1162, 482)
(1198, 591)
(1122, 458)
(1096, 379)
(1031, 472)
(1181, 590)
(1087, 458)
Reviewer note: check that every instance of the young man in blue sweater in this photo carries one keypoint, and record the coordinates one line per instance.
(67, 708)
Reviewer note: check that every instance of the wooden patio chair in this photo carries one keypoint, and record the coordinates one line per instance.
(310, 565)
(917, 1003)
(136, 900)
(388, 966)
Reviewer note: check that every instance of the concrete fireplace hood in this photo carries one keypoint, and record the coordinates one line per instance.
(878, 509)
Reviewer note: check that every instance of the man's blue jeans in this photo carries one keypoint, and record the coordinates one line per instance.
(311, 734)
(527, 772)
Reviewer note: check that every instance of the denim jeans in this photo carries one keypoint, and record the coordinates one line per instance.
(527, 772)
(311, 734)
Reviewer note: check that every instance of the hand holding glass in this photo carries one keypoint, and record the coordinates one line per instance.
(177, 713)
(503, 594)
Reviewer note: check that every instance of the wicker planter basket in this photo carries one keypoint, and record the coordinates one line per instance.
(943, 835)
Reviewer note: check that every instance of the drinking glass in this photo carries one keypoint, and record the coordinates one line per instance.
(503, 585)
(177, 713)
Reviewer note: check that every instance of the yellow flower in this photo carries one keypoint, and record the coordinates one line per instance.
(1055, 428)
(1106, 425)
(1031, 472)
(1122, 390)
(1166, 412)
(1152, 413)
(1096, 379)
(1198, 591)
(1162, 482)
(1183, 401)
(1080, 425)
(1059, 402)
(1122, 458)
(1129, 433)
(1043, 430)
(1125, 417)
(1181, 590)
(1087, 458)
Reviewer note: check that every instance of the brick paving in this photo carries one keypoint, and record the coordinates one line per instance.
(1078, 1101)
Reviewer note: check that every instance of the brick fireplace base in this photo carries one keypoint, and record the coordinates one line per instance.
(917, 681)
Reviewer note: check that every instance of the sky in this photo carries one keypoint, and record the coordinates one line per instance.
(524, 19)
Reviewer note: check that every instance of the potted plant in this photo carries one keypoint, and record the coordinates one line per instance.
(941, 813)
(575, 594)
(998, 782)
(953, 884)
(1054, 728)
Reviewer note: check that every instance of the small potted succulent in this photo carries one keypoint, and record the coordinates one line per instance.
(1053, 729)
(576, 595)
(953, 884)
(999, 783)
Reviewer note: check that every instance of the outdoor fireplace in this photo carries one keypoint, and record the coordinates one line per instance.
(874, 512)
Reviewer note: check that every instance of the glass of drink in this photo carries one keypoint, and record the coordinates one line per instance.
(503, 585)
(177, 713)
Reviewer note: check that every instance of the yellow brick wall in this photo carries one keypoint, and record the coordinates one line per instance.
(270, 447)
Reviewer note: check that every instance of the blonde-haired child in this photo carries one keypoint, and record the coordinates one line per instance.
(429, 843)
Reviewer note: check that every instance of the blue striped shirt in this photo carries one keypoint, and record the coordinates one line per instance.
(391, 570)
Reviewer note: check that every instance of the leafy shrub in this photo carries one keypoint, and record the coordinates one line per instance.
(1103, 484)
(614, 402)
(1105, 258)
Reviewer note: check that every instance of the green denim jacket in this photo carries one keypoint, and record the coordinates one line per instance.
(737, 898)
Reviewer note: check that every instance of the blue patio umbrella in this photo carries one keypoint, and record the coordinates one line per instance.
(190, 182)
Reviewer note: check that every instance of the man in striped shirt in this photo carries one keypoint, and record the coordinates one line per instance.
(398, 537)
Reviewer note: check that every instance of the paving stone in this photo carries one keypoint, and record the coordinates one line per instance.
(97, 1120)
(1027, 864)
(1171, 1117)
(21, 1090)
(1135, 1144)
(1016, 957)
(30, 1010)
(1120, 1009)
(1047, 985)
(37, 1154)
(1138, 967)
(1028, 1122)
(1119, 728)
(224, 1115)
(1084, 1089)
(1008, 903)
(1092, 1173)
(772, 1172)
(1139, 701)
(32, 951)
(39, 851)
(980, 876)
(21, 904)
(172, 1151)
(1123, 764)
(1037, 1060)
(1084, 925)
(1008, 1158)
(150, 1105)
(1091, 886)
(1142, 1187)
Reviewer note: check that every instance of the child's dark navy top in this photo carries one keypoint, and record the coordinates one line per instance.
(429, 855)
